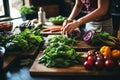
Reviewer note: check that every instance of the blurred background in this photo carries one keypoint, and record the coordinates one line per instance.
(10, 9)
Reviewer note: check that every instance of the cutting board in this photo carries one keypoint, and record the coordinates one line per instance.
(11, 56)
(80, 45)
(84, 46)
(20, 53)
(38, 69)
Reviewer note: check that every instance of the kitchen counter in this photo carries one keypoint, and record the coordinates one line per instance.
(16, 71)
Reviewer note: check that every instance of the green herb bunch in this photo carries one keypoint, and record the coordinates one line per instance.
(27, 10)
(60, 53)
(23, 41)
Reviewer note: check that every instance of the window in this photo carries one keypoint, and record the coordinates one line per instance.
(10, 8)
(2, 11)
(14, 6)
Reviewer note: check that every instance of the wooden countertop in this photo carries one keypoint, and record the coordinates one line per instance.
(38, 69)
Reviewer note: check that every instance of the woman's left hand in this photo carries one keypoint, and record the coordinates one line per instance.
(70, 27)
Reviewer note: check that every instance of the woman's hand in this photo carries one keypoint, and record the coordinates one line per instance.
(70, 27)
(66, 22)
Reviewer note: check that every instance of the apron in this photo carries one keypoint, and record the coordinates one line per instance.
(100, 26)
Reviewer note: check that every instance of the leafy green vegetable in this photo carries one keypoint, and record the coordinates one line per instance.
(22, 41)
(102, 38)
(61, 39)
(58, 20)
(27, 10)
(59, 53)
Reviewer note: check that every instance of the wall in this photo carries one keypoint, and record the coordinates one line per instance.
(52, 7)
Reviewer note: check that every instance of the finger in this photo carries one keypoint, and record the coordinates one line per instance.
(66, 34)
(64, 31)
(64, 23)
(69, 29)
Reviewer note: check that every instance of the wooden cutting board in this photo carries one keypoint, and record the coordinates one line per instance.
(84, 46)
(80, 45)
(20, 53)
(39, 69)
(11, 56)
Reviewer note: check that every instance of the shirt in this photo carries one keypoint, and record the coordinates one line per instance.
(91, 5)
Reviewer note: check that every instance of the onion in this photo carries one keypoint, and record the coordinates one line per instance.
(88, 35)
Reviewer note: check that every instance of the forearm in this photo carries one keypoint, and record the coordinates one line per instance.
(90, 17)
(76, 10)
(97, 13)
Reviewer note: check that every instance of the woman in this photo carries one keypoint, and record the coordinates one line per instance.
(98, 16)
